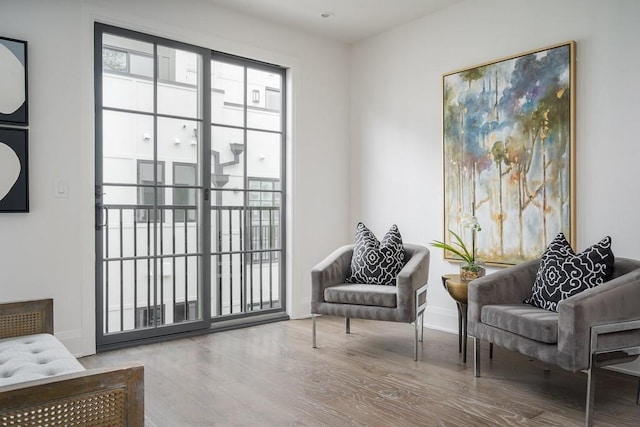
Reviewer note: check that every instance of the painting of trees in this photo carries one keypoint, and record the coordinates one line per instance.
(509, 152)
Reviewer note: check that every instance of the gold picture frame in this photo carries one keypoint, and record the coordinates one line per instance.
(509, 153)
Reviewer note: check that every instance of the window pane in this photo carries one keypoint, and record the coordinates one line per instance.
(227, 94)
(179, 74)
(273, 99)
(265, 113)
(147, 193)
(114, 60)
(264, 218)
(131, 86)
(145, 173)
(125, 136)
(141, 64)
(263, 154)
(227, 158)
(178, 140)
(184, 174)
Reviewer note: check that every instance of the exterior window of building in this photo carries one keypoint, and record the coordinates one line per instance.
(166, 64)
(141, 65)
(115, 60)
(183, 311)
(273, 99)
(121, 55)
(149, 316)
(147, 190)
(256, 96)
(264, 202)
(184, 175)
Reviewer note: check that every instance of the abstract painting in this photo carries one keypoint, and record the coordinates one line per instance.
(14, 170)
(508, 141)
(13, 82)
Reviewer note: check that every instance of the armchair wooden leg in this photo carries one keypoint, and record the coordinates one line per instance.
(476, 357)
(422, 327)
(313, 329)
(490, 350)
(347, 325)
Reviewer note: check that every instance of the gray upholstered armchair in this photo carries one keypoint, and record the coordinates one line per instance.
(404, 302)
(597, 327)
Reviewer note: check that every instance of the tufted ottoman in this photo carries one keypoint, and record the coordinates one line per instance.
(33, 357)
(41, 383)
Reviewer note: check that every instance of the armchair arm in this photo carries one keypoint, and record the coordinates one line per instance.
(413, 275)
(333, 270)
(613, 301)
(509, 286)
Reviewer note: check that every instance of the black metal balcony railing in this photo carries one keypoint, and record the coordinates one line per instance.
(152, 270)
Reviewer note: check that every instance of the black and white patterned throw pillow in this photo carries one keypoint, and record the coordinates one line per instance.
(374, 262)
(562, 273)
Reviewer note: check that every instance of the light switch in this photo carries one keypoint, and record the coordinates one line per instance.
(61, 189)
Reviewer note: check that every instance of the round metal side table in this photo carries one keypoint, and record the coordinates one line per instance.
(458, 290)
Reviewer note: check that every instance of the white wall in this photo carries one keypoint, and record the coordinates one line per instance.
(396, 112)
(393, 85)
(49, 252)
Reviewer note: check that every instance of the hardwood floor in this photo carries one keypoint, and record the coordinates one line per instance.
(269, 375)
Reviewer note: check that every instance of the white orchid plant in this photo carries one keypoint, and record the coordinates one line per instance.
(458, 247)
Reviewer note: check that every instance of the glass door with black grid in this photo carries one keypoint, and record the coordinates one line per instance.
(247, 167)
(149, 192)
(190, 183)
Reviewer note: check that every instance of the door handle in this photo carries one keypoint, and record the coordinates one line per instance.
(102, 216)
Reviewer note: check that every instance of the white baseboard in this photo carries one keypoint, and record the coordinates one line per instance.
(300, 311)
(73, 341)
(437, 318)
(446, 320)
(441, 319)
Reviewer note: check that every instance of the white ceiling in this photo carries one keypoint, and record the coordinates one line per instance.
(352, 20)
